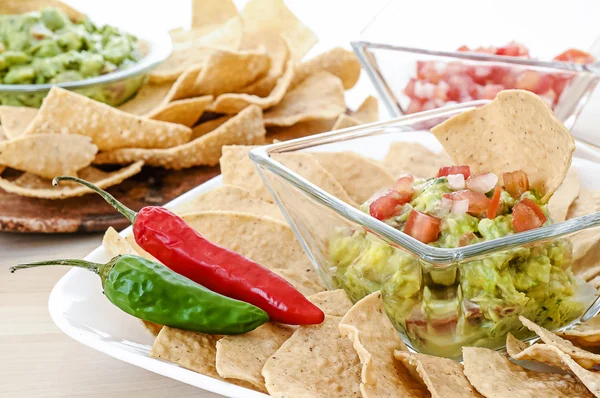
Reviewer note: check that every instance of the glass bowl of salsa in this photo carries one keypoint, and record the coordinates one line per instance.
(467, 284)
(50, 47)
(428, 60)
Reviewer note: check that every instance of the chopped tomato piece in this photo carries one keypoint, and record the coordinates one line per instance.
(388, 205)
(576, 56)
(494, 203)
(513, 49)
(478, 202)
(422, 227)
(466, 238)
(516, 183)
(527, 215)
(404, 185)
(465, 170)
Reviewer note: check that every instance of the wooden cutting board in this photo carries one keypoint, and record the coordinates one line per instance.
(90, 213)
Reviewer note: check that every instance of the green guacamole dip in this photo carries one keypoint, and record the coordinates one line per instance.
(470, 303)
(46, 47)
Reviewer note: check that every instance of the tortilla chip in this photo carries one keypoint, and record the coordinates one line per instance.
(15, 119)
(414, 159)
(368, 111)
(495, 376)
(152, 327)
(226, 71)
(115, 244)
(320, 96)
(516, 131)
(307, 166)
(185, 85)
(586, 335)
(586, 203)
(148, 98)
(559, 203)
(233, 102)
(316, 361)
(337, 61)
(23, 6)
(180, 35)
(36, 187)
(237, 169)
(305, 285)
(244, 128)
(208, 12)
(443, 377)
(344, 121)
(584, 358)
(277, 50)
(140, 252)
(553, 356)
(196, 52)
(298, 130)
(206, 127)
(333, 302)
(359, 176)
(108, 127)
(274, 17)
(48, 155)
(375, 339)
(265, 240)
(231, 198)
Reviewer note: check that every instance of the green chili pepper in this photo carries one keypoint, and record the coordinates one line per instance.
(152, 292)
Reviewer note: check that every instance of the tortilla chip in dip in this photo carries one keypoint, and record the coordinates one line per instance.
(516, 131)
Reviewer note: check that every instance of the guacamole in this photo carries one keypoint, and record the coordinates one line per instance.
(475, 302)
(46, 47)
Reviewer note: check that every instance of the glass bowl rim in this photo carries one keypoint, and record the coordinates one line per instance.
(440, 257)
(160, 46)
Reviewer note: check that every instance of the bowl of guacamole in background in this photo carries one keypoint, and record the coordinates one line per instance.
(48, 47)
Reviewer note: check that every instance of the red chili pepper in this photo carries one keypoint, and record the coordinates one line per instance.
(173, 242)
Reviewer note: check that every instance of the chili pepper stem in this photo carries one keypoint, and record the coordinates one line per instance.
(90, 266)
(120, 207)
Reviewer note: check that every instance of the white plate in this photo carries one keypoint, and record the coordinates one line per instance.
(79, 308)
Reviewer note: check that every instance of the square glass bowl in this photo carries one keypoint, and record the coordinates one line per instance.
(439, 299)
(410, 53)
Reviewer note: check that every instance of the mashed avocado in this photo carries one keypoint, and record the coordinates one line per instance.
(46, 47)
(475, 302)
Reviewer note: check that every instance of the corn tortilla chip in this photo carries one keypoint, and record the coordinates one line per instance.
(585, 335)
(15, 119)
(237, 169)
(516, 131)
(36, 187)
(443, 377)
(23, 6)
(337, 61)
(306, 286)
(298, 130)
(195, 52)
(274, 17)
(226, 71)
(180, 35)
(584, 358)
(315, 362)
(109, 128)
(141, 252)
(48, 155)
(231, 198)
(244, 128)
(320, 96)
(359, 176)
(208, 12)
(586, 203)
(265, 240)
(495, 376)
(234, 102)
(277, 50)
(344, 121)
(559, 203)
(185, 85)
(375, 339)
(368, 111)
(415, 159)
(115, 244)
(333, 302)
(148, 98)
(553, 356)
(307, 166)
(208, 126)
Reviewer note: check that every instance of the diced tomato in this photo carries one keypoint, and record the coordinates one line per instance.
(576, 56)
(461, 88)
(466, 238)
(527, 215)
(560, 81)
(388, 205)
(414, 106)
(527, 80)
(491, 90)
(513, 49)
(428, 71)
(422, 227)
(516, 183)
(404, 185)
(494, 203)
(409, 90)
(465, 170)
(463, 48)
(478, 202)
(498, 73)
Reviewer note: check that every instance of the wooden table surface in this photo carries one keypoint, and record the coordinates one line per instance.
(36, 358)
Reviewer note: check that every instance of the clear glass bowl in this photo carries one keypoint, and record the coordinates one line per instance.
(112, 88)
(432, 295)
(399, 40)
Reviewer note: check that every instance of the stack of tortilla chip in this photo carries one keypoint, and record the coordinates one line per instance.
(234, 78)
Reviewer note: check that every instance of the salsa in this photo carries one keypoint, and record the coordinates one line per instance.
(476, 302)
